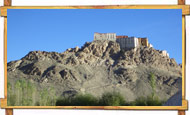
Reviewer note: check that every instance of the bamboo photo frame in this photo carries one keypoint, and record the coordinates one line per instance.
(181, 5)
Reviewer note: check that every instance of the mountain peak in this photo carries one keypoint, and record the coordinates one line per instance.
(100, 66)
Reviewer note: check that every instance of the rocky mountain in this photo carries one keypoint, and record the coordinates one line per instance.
(98, 67)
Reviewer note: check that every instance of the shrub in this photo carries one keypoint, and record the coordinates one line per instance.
(85, 100)
(148, 101)
(112, 99)
(64, 102)
(141, 101)
(154, 101)
(78, 100)
(107, 99)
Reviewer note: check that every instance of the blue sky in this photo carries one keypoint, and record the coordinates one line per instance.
(57, 30)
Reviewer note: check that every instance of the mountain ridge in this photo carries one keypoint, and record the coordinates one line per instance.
(98, 67)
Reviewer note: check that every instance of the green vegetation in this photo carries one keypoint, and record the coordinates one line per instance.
(25, 93)
(85, 100)
(10, 96)
(62, 101)
(112, 99)
(147, 101)
(107, 99)
(78, 100)
(151, 100)
(152, 84)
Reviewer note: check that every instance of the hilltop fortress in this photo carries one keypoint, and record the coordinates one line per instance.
(126, 42)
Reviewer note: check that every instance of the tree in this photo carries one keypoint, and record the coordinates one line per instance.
(31, 91)
(152, 83)
(23, 86)
(112, 99)
(10, 95)
(18, 92)
(44, 97)
(52, 98)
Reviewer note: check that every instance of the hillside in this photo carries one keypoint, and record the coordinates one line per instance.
(98, 67)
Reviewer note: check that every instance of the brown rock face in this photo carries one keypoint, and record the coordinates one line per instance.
(98, 67)
(32, 69)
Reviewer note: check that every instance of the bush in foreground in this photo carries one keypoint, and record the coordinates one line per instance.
(64, 102)
(78, 100)
(85, 100)
(107, 99)
(112, 99)
(147, 101)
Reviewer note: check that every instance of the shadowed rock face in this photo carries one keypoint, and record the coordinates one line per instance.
(99, 67)
(175, 100)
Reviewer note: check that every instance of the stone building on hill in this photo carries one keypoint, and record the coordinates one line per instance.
(105, 36)
(128, 42)
(164, 53)
(143, 41)
(124, 41)
(121, 37)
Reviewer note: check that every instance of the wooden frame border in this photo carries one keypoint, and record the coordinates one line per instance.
(181, 5)
(185, 8)
(183, 107)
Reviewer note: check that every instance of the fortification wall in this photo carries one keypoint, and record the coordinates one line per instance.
(105, 36)
(127, 43)
(124, 41)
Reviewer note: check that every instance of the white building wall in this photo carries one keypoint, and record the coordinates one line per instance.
(126, 43)
(136, 42)
(105, 36)
(151, 45)
(165, 53)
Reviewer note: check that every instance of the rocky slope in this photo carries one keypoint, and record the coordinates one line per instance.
(100, 67)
